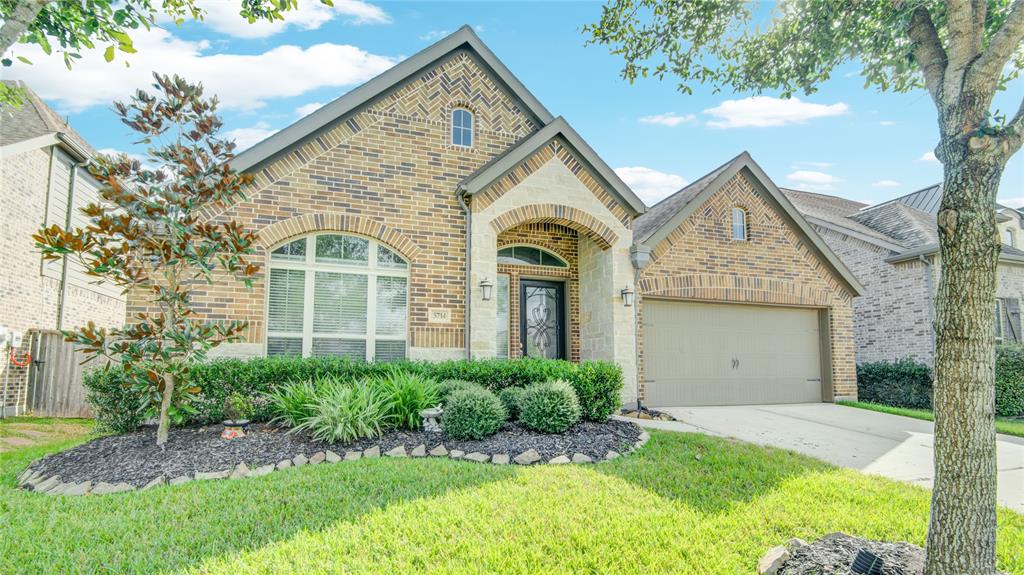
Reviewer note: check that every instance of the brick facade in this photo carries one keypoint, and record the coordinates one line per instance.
(699, 261)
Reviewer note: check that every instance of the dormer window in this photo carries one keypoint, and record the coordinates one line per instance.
(462, 127)
(739, 224)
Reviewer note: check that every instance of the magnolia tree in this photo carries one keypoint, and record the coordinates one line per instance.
(147, 236)
(961, 52)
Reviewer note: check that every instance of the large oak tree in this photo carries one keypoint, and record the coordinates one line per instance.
(962, 52)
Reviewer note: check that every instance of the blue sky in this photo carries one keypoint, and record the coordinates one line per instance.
(842, 140)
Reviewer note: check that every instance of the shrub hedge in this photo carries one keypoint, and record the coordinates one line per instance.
(549, 407)
(1010, 380)
(472, 413)
(903, 383)
(116, 405)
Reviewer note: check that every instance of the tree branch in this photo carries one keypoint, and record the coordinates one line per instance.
(1015, 132)
(24, 13)
(928, 52)
(962, 44)
(984, 75)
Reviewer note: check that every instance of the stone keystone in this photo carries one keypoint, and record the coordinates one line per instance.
(331, 457)
(353, 455)
(478, 457)
(439, 451)
(581, 458)
(397, 452)
(241, 470)
(317, 458)
(372, 452)
(527, 457)
(559, 460)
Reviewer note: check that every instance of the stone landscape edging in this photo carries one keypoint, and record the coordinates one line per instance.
(52, 485)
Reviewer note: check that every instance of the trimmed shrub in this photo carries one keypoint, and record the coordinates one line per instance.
(405, 396)
(1010, 380)
(449, 386)
(598, 386)
(344, 411)
(904, 383)
(292, 403)
(116, 406)
(472, 413)
(551, 407)
(510, 397)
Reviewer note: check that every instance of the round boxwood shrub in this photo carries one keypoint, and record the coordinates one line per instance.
(551, 407)
(472, 413)
(510, 399)
(449, 386)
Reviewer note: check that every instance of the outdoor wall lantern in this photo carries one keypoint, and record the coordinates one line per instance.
(485, 289)
(627, 297)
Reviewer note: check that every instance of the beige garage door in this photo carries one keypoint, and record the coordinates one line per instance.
(728, 354)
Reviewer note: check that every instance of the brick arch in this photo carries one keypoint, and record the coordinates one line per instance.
(730, 288)
(308, 223)
(567, 216)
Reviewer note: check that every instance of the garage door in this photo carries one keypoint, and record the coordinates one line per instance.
(728, 354)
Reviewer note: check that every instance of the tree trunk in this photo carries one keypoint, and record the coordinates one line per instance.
(164, 427)
(24, 13)
(962, 526)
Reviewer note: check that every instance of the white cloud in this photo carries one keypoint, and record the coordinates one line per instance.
(241, 81)
(765, 111)
(815, 165)
(928, 157)
(812, 180)
(435, 35)
(649, 184)
(886, 123)
(245, 138)
(222, 16)
(1013, 202)
(307, 109)
(670, 119)
(886, 184)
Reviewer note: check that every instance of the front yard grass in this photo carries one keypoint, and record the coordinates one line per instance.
(685, 503)
(1003, 424)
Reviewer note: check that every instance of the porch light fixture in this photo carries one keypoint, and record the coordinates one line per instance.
(485, 289)
(627, 297)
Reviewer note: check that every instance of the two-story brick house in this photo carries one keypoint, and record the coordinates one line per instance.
(440, 211)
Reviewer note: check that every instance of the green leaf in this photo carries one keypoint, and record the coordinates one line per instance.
(108, 54)
(23, 60)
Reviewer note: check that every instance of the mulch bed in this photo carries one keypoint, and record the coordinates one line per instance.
(135, 459)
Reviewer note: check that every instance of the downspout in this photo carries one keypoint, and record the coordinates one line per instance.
(459, 195)
(62, 293)
(931, 301)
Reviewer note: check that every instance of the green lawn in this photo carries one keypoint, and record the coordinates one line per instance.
(1003, 424)
(684, 504)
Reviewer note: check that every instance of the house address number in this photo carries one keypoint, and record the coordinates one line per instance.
(439, 315)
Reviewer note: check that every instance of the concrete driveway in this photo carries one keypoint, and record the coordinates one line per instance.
(878, 443)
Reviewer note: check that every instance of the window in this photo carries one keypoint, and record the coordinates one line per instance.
(530, 256)
(502, 301)
(999, 320)
(462, 127)
(337, 294)
(739, 224)
(1008, 237)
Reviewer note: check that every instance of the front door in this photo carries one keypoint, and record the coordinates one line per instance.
(542, 318)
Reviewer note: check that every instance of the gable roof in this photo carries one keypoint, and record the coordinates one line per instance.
(502, 164)
(653, 227)
(36, 124)
(464, 37)
(926, 200)
(834, 213)
(909, 226)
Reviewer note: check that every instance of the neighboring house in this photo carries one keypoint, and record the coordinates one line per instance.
(893, 248)
(441, 212)
(42, 183)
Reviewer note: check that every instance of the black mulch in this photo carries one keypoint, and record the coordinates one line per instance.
(134, 458)
(834, 553)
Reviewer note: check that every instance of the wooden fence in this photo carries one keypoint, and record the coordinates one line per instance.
(55, 379)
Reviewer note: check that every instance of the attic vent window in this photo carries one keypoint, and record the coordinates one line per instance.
(739, 224)
(462, 128)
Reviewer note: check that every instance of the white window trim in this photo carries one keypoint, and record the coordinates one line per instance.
(310, 266)
(472, 127)
(732, 224)
(536, 247)
(999, 320)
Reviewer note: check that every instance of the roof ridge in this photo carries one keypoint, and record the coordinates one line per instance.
(698, 180)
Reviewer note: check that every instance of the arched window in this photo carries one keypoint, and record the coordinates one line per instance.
(529, 256)
(462, 127)
(337, 294)
(739, 224)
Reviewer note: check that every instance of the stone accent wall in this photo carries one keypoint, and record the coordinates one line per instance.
(389, 172)
(561, 241)
(774, 266)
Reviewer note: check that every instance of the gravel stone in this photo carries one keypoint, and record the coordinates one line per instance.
(396, 452)
(48, 484)
(772, 560)
(527, 457)
(612, 455)
(317, 458)
(419, 451)
(456, 454)
(439, 451)
(560, 460)
(834, 553)
(500, 459)
(285, 463)
(78, 489)
(353, 455)
(209, 475)
(103, 488)
(241, 470)
(179, 480)
(371, 452)
(331, 457)
(299, 460)
(59, 489)
(478, 457)
(155, 482)
(581, 458)
(260, 471)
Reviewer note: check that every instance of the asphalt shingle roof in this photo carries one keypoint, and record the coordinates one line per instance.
(33, 119)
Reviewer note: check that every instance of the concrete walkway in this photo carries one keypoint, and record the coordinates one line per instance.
(878, 443)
